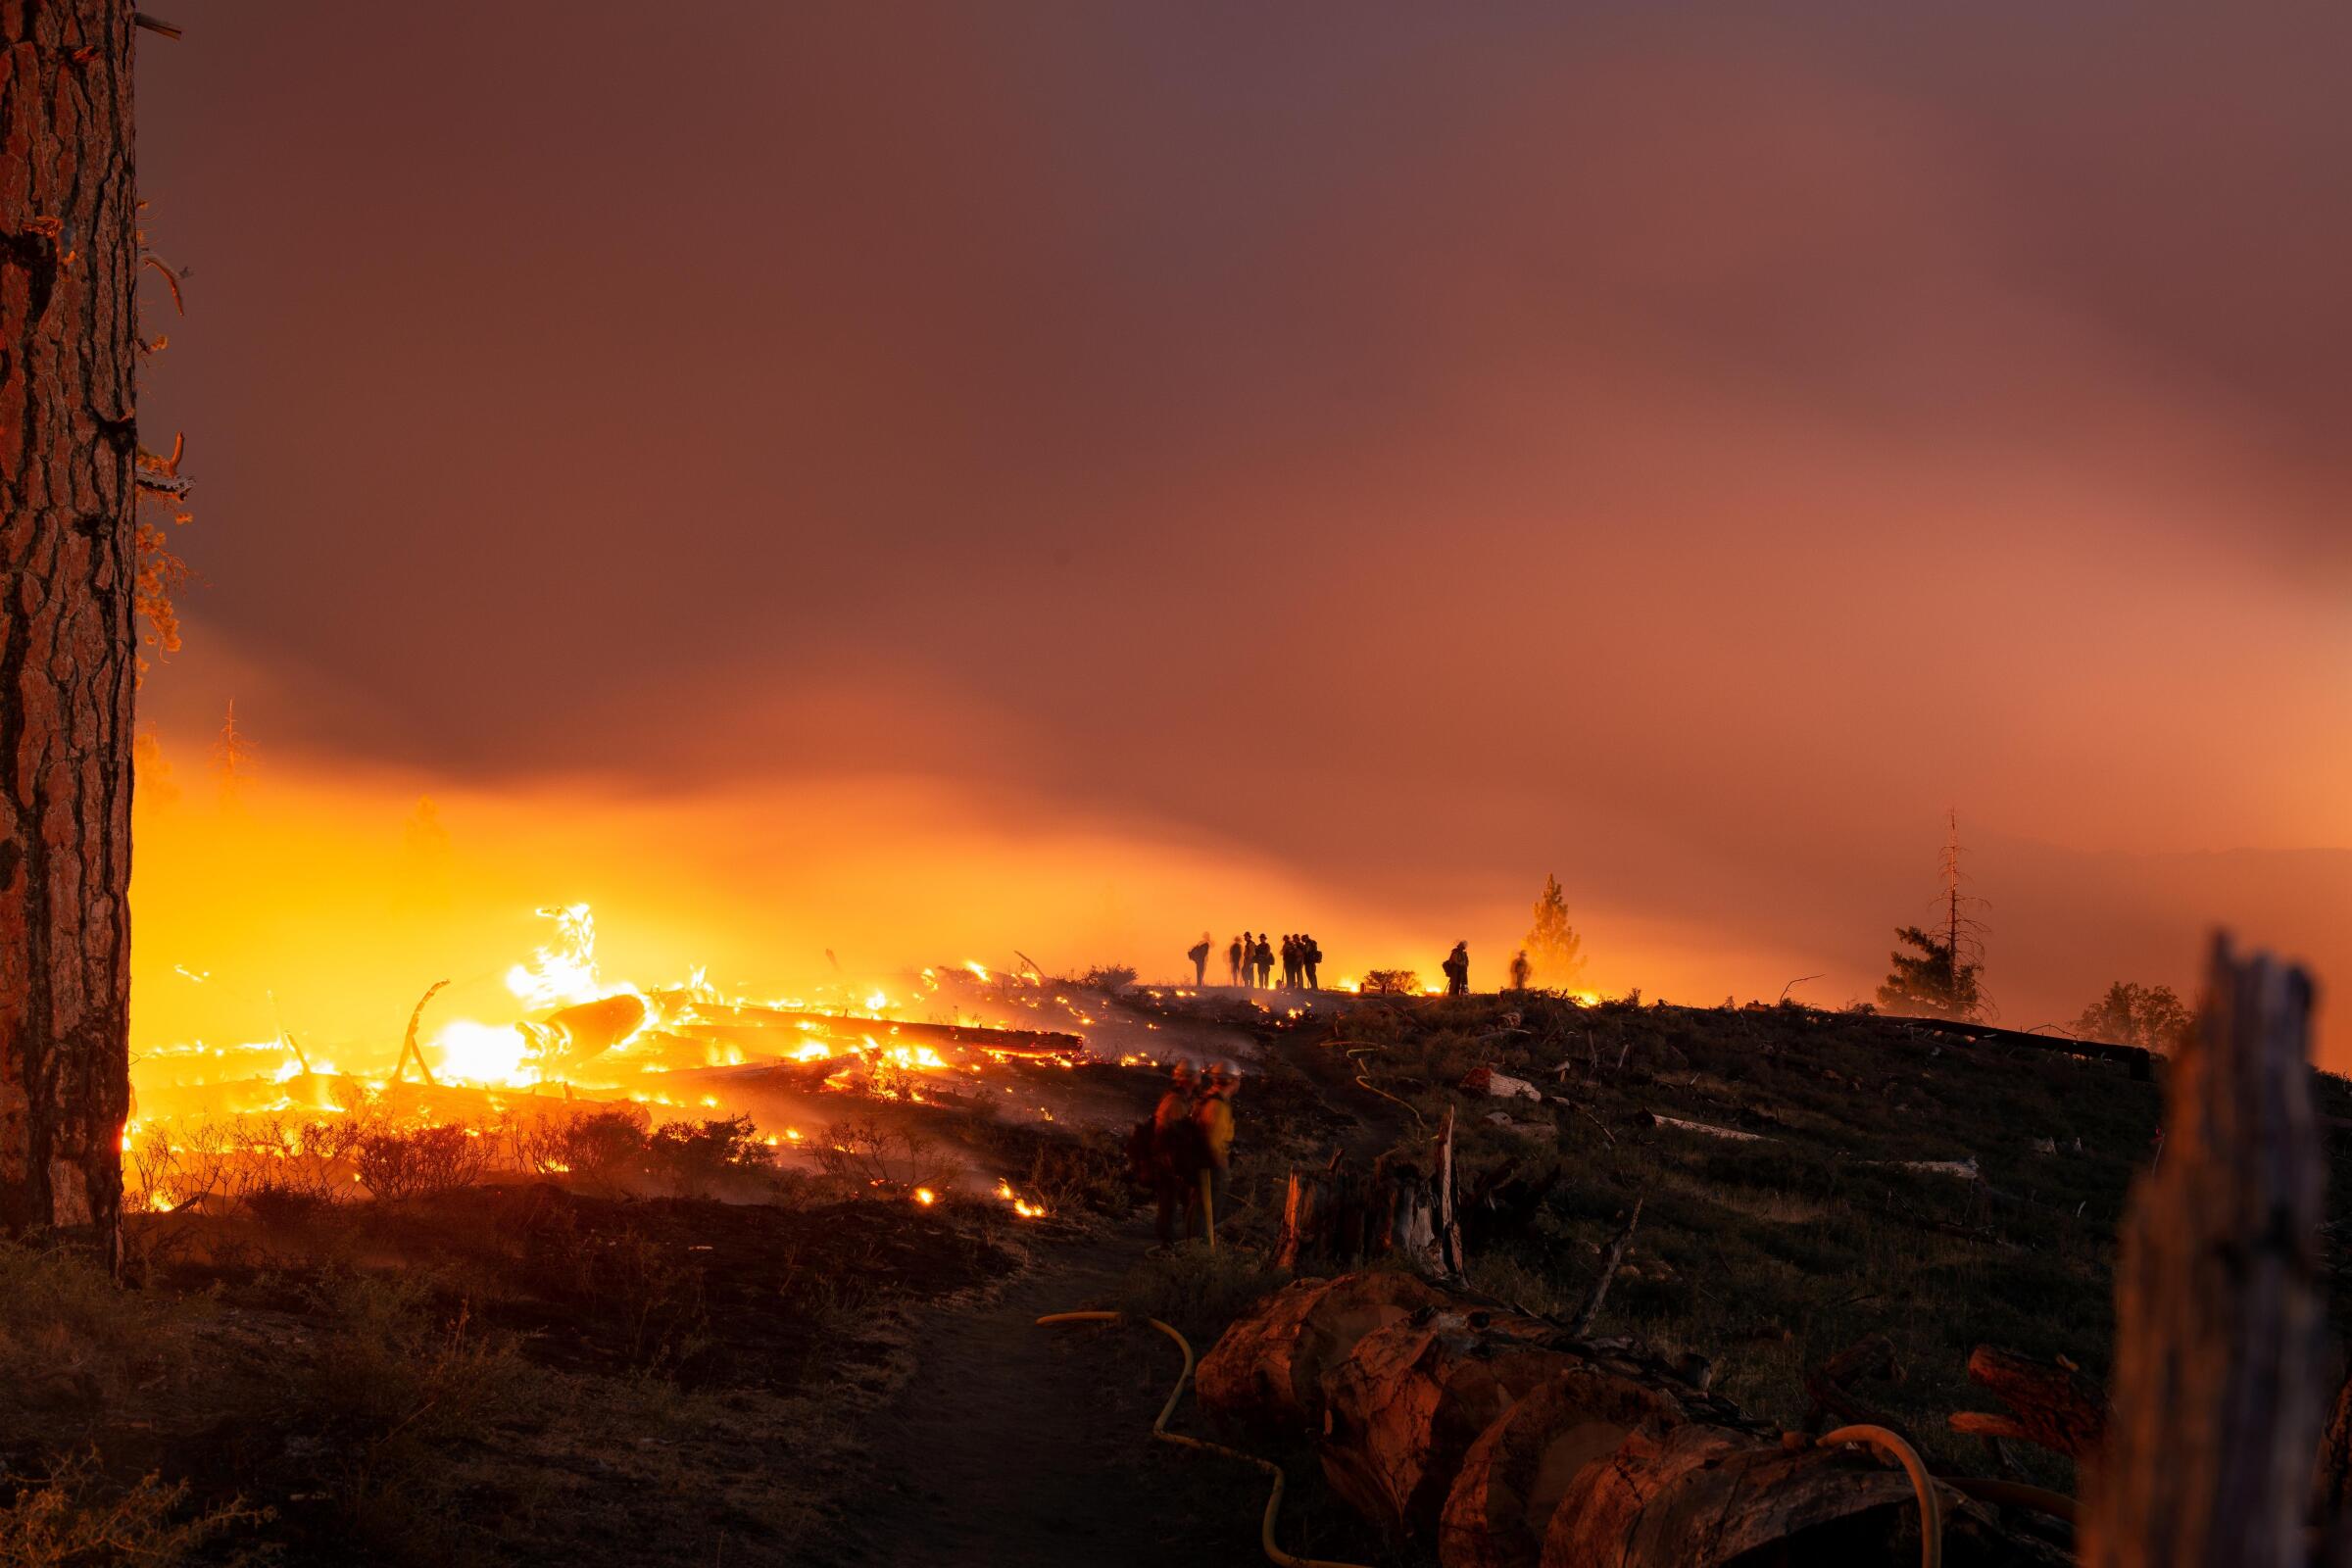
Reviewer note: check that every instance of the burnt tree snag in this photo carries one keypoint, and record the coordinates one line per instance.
(2218, 1358)
(68, 335)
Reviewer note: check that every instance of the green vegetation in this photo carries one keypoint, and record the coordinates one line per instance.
(1554, 951)
(2136, 1015)
(1932, 979)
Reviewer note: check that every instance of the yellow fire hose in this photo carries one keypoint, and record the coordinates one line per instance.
(1161, 1433)
(1931, 1505)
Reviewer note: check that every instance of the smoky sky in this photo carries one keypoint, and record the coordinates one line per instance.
(1681, 445)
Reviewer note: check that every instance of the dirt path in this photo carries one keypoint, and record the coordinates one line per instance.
(1017, 1445)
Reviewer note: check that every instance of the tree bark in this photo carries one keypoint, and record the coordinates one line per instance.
(69, 260)
(2208, 1458)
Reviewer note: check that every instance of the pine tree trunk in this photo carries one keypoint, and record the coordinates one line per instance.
(69, 260)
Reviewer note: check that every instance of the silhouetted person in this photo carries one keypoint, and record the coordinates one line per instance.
(1234, 955)
(1522, 971)
(1263, 952)
(1290, 962)
(1176, 1154)
(1199, 957)
(1311, 956)
(1457, 970)
(1212, 1122)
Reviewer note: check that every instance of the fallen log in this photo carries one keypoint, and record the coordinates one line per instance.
(1708, 1129)
(1696, 1496)
(2050, 1407)
(1514, 1475)
(760, 1026)
(1404, 1406)
(1265, 1374)
(588, 1028)
(2134, 1058)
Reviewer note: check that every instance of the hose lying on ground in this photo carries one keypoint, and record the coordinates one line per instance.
(1161, 1433)
(1931, 1505)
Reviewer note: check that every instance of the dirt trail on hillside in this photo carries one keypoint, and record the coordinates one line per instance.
(1018, 1446)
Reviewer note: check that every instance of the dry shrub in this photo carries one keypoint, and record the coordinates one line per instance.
(871, 1154)
(647, 1296)
(73, 1517)
(420, 1163)
(1391, 983)
(695, 1155)
(393, 1390)
(603, 1148)
(1199, 1290)
(1070, 1177)
(70, 1336)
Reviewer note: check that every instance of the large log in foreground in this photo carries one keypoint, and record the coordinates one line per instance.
(1514, 1477)
(1266, 1375)
(1520, 1446)
(1404, 1406)
(2218, 1365)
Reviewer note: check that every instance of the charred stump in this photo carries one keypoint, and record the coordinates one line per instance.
(2219, 1355)
(68, 658)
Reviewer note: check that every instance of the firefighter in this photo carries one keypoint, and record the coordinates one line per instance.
(1174, 1153)
(1212, 1117)
(1199, 957)
(1457, 970)
(1233, 960)
(1311, 954)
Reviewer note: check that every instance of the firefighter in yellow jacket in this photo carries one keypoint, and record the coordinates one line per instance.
(1212, 1114)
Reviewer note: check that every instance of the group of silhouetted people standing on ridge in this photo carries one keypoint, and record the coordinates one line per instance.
(1249, 962)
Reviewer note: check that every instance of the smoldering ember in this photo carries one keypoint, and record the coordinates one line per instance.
(1407, 788)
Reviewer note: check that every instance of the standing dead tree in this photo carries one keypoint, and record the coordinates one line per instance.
(2216, 1393)
(69, 648)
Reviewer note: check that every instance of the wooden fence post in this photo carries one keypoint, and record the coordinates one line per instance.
(2218, 1352)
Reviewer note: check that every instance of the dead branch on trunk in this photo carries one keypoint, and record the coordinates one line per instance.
(1609, 1262)
(408, 1045)
(2218, 1321)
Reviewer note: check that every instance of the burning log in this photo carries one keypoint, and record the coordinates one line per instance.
(760, 1027)
(1405, 1406)
(589, 1028)
(1266, 1373)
